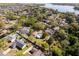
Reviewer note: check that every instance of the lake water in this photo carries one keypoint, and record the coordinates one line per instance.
(62, 8)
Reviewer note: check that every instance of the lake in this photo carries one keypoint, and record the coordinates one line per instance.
(62, 8)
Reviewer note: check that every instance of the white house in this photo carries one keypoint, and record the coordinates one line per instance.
(38, 34)
(12, 38)
(25, 30)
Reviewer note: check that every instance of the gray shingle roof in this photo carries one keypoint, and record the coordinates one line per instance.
(37, 52)
(20, 44)
(25, 30)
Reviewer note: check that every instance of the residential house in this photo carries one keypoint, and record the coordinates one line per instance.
(12, 38)
(24, 30)
(36, 52)
(52, 31)
(63, 23)
(20, 44)
(38, 34)
(56, 28)
(49, 31)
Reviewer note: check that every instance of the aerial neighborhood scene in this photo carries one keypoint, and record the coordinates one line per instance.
(39, 29)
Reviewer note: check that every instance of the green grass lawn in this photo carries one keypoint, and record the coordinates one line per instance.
(7, 4)
(20, 52)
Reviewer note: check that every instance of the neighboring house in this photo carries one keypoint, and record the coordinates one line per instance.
(38, 34)
(56, 28)
(36, 52)
(63, 23)
(12, 38)
(49, 31)
(24, 30)
(34, 33)
(20, 44)
(52, 31)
